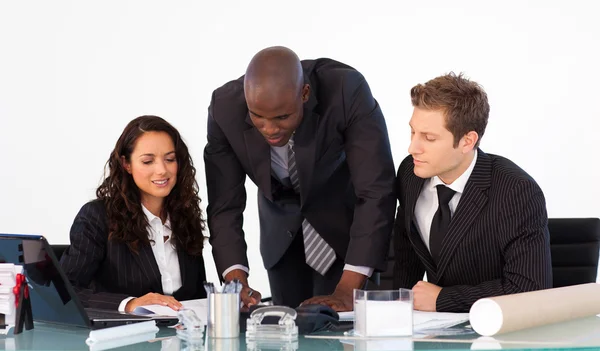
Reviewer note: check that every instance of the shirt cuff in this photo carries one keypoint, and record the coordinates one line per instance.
(124, 303)
(236, 266)
(359, 269)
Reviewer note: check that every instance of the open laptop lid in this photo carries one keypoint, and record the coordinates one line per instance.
(52, 296)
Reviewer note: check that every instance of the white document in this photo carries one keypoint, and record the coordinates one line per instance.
(423, 321)
(199, 306)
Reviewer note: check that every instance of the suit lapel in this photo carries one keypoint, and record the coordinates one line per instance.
(414, 185)
(259, 154)
(305, 140)
(470, 205)
(145, 259)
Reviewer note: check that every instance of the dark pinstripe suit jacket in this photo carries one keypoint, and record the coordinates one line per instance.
(497, 243)
(104, 272)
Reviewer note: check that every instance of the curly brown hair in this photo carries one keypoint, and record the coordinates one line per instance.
(126, 220)
(463, 101)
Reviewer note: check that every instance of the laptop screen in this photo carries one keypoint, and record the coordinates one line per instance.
(51, 293)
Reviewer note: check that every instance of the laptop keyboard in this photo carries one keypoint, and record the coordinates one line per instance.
(107, 314)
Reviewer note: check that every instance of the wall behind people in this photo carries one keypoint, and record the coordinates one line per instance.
(72, 74)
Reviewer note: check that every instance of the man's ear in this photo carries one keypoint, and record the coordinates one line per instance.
(126, 164)
(469, 141)
(305, 93)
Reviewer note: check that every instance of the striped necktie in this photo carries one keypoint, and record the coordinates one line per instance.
(319, 255)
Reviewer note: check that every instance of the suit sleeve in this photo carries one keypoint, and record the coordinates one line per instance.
(225, 179)
(84, 256)
(526, 250)
(372, 170)
(408, 268)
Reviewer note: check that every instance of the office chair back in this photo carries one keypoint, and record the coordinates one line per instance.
(58, 250)
(575, 246)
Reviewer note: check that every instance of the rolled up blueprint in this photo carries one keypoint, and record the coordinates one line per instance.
(503, 314)
(122, 331)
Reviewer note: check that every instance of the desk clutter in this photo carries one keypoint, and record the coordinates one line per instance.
(15, 305)
(218, 320)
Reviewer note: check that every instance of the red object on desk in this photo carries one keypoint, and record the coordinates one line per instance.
(22, 305)
(20, 281)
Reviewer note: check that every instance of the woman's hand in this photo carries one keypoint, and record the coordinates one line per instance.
(153, 299)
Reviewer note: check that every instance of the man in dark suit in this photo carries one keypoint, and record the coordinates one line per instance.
(476, 223)
(313, 139)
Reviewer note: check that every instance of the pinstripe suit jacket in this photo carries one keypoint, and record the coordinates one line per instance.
(105, 272)
(497, 243)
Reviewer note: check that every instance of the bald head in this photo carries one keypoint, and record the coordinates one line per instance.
(275, 93)
(272, 72)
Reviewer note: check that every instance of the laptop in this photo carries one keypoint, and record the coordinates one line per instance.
(53, 298)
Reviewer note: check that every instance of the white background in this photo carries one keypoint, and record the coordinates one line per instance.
(74, 73)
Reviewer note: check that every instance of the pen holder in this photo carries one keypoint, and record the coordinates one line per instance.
(383, 312)
(223, 315)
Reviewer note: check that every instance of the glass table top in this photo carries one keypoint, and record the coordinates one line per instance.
(578, 334)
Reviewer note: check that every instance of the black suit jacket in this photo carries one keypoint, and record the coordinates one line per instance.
(105, 272)
(345, 168)
(497, 243)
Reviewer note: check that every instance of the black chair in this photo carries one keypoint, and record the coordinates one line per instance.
(575, 246)
(58, 250)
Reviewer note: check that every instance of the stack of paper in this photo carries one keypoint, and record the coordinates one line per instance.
(8, 273)
(200, 307)
(424, 321)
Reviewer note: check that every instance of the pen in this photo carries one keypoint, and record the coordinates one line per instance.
(226, 287)
(207, 288)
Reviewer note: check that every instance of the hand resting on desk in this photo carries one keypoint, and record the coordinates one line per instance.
(153, 299)
(425, 296)
(342, 298)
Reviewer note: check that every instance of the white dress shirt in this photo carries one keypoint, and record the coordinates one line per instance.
(164, 253)
(279, 165)
(427, 203)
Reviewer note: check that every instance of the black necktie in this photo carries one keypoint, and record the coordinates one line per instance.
(441, 221)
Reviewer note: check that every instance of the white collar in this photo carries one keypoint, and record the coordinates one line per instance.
(151, 217)
(290, 142)
(459, 184)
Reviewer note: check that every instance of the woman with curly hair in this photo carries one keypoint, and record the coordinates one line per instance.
(140, 242)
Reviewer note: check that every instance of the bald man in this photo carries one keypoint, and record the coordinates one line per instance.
(313, 139)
